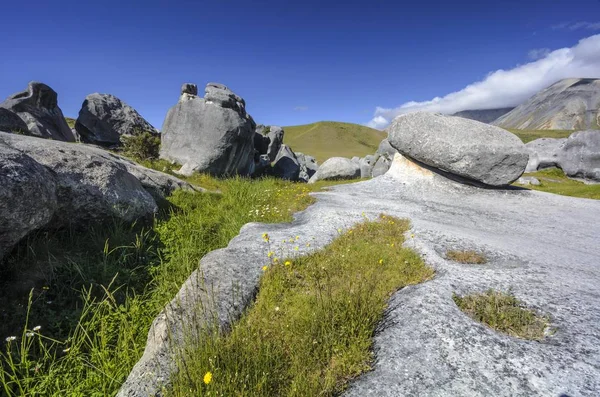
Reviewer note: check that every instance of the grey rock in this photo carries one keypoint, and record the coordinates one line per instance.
(569, 104)
(385, 149)
(93, 185)
(528, 180)
(543, 153)
(28, 197)
(212, 134)
(468, 148)
(189, 88)
(308, 166)
(261, 143)
(579, 155)
(38, 108)
(483, 115)
(381, 166)
(286, 164)
(337, 168)
(104, 118)
(355, 159)
(275, 141)
(366, 165)
(10, 122)
(426, 346)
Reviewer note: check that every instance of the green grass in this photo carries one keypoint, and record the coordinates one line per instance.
(105, 286)
(70, 122)
(531, 135)
(468, 257)
(503, 312)
(310, 330)
(327, 139)
(554, 180)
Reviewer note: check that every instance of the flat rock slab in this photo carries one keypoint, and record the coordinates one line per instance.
(541, 246)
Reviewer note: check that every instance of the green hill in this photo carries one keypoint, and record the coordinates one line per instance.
(326, 139)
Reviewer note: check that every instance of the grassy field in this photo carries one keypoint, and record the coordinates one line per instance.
(531, 135)
(84, 326)
(310, 329)
(327, 139)
(554, 180)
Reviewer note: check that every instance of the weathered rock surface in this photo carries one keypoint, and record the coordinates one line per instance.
(569, 104)
(308, 166)
(275, 142)
(381, 166)
(385, 149)
(213, 134)
(483, 115)
(543, 153)
(426, 346)
(337, 168)
(28, 196)
(463, 147)
(528, 180)
(104, 118)
(38, 108)
(286, 164)
(579, 155)
(87, 184)
(10, 122)
(366, 165)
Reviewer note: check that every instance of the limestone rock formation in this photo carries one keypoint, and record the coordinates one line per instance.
(366, 165)
(104, 118)
(213, 134)
(286, 164)
(543, 153)
(308, 166)
(579, 155)
(569, 104)
(10, 122)
(337, 168)
(463, 147)
(381, 166)
(28, 196)
(38, 108)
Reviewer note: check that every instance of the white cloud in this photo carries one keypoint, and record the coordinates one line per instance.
(301, 108)
(577, 26)
(504, 88)
(538, 53)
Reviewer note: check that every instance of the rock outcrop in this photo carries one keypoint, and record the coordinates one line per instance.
(366, 165)
(286, 164)
(52, 184)
(308, 166)
(543, 153)
(579, 155)
(337, 168)
(38, 108)
(104, 118)
(10, 122)
(569, 104)
(381, 166)
(213, 134)
(467, 148)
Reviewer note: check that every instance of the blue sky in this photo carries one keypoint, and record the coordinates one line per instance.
(294, 63)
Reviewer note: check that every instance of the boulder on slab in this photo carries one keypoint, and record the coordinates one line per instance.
(28, 196)
(213, 134)
(543, 153)
(337, 168)
(467, 148)
(104, 118)
(38, 108)
(579, 155)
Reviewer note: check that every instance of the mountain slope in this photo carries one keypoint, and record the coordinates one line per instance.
(570, 104)
(483, 115)
(327, 139)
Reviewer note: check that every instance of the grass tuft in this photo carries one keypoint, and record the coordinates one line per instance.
(310, 329)
(554, 180)
(503, 312)
(469, 257)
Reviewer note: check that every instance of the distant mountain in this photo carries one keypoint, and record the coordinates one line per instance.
(570, 104)
(327, 139)
(483, 115)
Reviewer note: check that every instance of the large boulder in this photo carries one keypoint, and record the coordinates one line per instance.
(337, 168)
(286, 164)
(275, 136)
(366, 165)
(385, 149)
(28, 196)
(213, 134)
(467, 148)
(543, 153)
(10, 122)
(38, 108)
(579, 155)
(104, 118)
(308, 166)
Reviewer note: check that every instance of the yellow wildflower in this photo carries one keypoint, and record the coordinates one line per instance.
(208, 377)
(264, 268)
(270, 254)
(381, 261)
(265, 237)
(288, 263)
